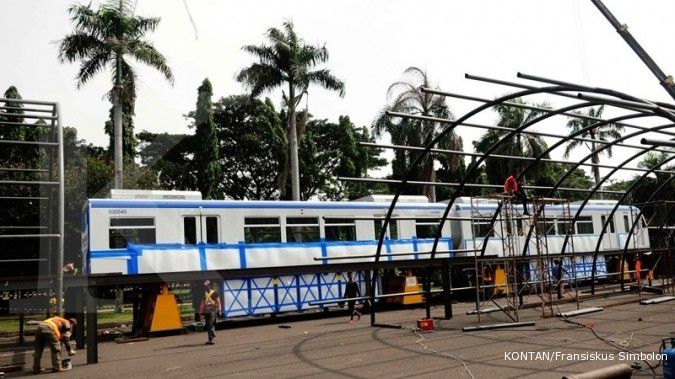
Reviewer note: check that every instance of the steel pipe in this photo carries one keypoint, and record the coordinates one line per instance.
(518, 158)
(470, 185)
(490, 127)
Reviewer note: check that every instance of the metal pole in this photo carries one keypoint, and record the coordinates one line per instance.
(470, 185)
(622, 29)
(447, 289)
(518, 158)
(505, 129)
(61, 214)
(92, 325)
(653, 142)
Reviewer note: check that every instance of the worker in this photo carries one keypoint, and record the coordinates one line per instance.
(352, 290)
(513, 188)
(638, 269)
(211, 308)
(53, 331)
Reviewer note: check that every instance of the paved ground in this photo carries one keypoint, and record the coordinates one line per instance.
(330, 347)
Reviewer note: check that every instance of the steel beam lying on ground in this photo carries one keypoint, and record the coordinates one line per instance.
(498, 326)
(579, 312)
(657, 300)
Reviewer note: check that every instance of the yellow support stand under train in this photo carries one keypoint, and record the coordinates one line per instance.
(163, 313)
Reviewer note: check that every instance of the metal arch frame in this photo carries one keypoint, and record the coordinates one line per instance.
(570, 170)
(474, 166)
(426, 151)
(636, 222)
(589, 156)
(508, 136)
(643, 105)
(616, 206)
(598, 186)
(582, 161)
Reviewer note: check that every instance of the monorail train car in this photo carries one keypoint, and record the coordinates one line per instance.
(137, 232)
(471, 234)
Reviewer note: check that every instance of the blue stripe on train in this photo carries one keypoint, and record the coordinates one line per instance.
(133, 251)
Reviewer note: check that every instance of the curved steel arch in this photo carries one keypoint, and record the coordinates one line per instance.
(426, 151)
(645, 108)
(589, 156)
(636, 222)
(616, 206)
(637, 219)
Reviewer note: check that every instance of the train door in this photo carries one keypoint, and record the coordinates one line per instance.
(200, 229)
(609, 239)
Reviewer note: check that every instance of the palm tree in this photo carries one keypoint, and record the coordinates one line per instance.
(406, 96)
(520, 145)
(288, 61)
(603, 133)
(105, 38)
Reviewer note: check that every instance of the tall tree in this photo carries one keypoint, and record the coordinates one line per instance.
(288, 61)
(519, 145)
(406, 96)
(328, 150)
(107, 37)
(170, 157)
(206, 144)
(252, 147)
(602, 133)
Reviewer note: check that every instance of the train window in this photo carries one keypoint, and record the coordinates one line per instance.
(262, 229)
(603, 220)
(585, 225)
(302, 229)
(426, 228)
(626, 223)
(340, 229)
(547, 227)
(190, 230)
(212, 229)
(564, 228)
(483, 229)
(393, 229)
(131, 229)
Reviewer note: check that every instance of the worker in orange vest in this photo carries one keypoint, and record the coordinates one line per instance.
(511, 187)
(53, 331)
(211, 308)
(638, 269)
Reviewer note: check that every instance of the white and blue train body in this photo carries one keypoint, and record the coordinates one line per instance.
(138, 232)
(584, 237)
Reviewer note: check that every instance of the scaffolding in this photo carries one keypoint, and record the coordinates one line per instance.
(504, 281)
(32, 187)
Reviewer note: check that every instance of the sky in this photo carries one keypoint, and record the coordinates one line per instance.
(370, 43)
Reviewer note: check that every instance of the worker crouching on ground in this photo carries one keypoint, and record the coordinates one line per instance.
(53, 331)
(211, 308)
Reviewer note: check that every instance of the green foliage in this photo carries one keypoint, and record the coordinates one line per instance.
(206, 145)
(582, 127)
(129, 141)
(407, 97)
(252, 145)
(169, 156)
(288, 61)
(519, 145)
(329, 150)
(107, 37)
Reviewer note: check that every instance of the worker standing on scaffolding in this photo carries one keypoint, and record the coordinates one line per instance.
(513, 188)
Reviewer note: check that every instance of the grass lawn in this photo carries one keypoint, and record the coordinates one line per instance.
(105, 317)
